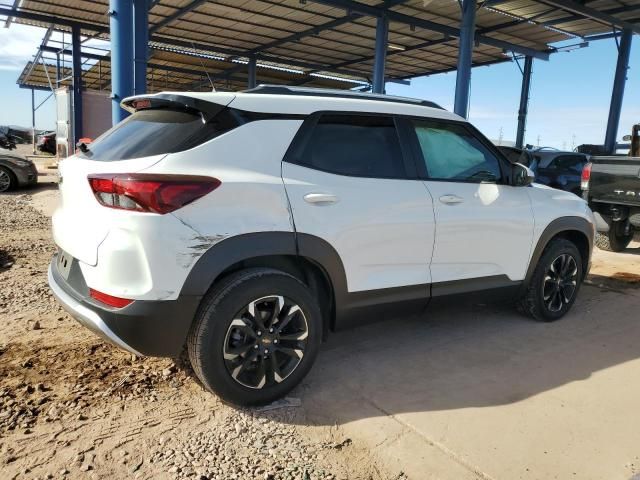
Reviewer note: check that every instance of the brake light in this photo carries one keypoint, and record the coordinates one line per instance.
(586, 176)
(110, 300)
(148, 192)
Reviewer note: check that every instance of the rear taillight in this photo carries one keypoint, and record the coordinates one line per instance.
(586, 176)
(110, 300)
(148, 192)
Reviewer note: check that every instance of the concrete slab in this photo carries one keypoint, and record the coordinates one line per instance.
(478, 391)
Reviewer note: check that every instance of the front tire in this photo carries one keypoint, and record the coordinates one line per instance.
(614, 240)
(255, 336)
(7, 180)
(555, 282)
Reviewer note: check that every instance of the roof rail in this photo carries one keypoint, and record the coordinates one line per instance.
(327, 92)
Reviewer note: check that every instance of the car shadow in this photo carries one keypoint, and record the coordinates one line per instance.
(464, 354)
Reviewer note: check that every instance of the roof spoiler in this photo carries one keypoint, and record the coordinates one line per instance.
(170, 100)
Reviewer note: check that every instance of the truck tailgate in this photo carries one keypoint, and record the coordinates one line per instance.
(615, 180)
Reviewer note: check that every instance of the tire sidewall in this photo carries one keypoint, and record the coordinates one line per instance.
(558, 248)
(213, 322)
(12, 179)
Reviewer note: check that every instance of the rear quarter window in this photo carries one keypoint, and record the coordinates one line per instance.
(159, 131)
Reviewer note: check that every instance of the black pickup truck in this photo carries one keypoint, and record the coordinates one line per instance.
(611, 185)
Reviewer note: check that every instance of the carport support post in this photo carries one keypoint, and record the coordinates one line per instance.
(33, 119)
(77, 84)
(617, 93)
(121, 33)
(251, 74)
(140, 45)
(465, 57)
(382, 40)
(524, 100)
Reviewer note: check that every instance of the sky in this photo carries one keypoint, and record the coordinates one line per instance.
(569, 101)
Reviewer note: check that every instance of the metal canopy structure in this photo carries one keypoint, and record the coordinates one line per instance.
(371, 40)
(167, 69)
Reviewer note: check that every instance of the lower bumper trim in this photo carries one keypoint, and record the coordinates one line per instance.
(86, 317)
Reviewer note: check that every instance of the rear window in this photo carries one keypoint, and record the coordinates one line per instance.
(158, 131)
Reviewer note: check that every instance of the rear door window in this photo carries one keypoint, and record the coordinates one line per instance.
(569, 162)
(158, 131)
(355, 145)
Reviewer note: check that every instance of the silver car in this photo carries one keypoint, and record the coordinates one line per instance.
(16, 171)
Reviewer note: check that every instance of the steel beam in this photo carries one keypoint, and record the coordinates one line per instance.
(121, 23)
(593, 14)
(251, 77)
(76, 62)
(465, 58)
(617, 94)
(140, 45)
(177, 14)
(524, 101)
(393, 16)
(382, 41)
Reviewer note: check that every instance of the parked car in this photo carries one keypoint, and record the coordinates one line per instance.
(556, 168)
(47, 142)
(248, 226)
(611, 185)
(16, 171)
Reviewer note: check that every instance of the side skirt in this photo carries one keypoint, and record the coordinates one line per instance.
(359, 308)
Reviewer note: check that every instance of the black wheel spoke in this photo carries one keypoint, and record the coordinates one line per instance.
(560, 282)
(291, 352)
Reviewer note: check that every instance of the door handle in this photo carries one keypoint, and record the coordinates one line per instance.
(320, 198)
(451, 199)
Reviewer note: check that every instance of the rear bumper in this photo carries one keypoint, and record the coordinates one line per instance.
(151, 328)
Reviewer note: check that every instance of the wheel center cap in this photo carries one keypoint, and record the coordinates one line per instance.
(267, 340)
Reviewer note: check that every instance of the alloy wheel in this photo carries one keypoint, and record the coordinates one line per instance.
(5, 181)
(560, 282)
(265, 342)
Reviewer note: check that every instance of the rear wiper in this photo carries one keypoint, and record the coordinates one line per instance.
(82, 147)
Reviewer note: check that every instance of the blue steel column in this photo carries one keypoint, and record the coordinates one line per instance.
(121, 33)
(76, 67)
(382, 40)
(465, 56)
(524, 100)
(252, 77)
(618, 91)
(140, 45)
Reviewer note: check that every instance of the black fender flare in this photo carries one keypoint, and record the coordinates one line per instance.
(557, 226)
(232, 250)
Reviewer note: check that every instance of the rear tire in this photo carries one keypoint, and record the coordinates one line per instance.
(555, 282)
(614, 240)
(255, 336)
(8, 180)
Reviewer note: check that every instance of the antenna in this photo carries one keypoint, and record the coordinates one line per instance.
(204, 69)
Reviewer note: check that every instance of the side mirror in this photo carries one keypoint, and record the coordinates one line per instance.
(626, 138)
(521, 176)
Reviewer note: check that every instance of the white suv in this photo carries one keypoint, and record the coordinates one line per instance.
(245, 227)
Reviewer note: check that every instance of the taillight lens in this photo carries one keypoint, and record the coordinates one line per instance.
(586, 176)
(110, 300)
(148, 192)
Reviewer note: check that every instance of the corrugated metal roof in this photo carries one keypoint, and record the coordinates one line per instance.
(281, 30)
(171, 70)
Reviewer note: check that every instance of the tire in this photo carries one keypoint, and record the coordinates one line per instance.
(8, 180)
(614, 240)
(539, 301)
(224, 325)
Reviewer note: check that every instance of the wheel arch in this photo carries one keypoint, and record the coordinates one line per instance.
(307, 257)
(578, 230)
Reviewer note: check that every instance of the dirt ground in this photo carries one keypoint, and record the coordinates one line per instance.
(74, 407)
(469, 391)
